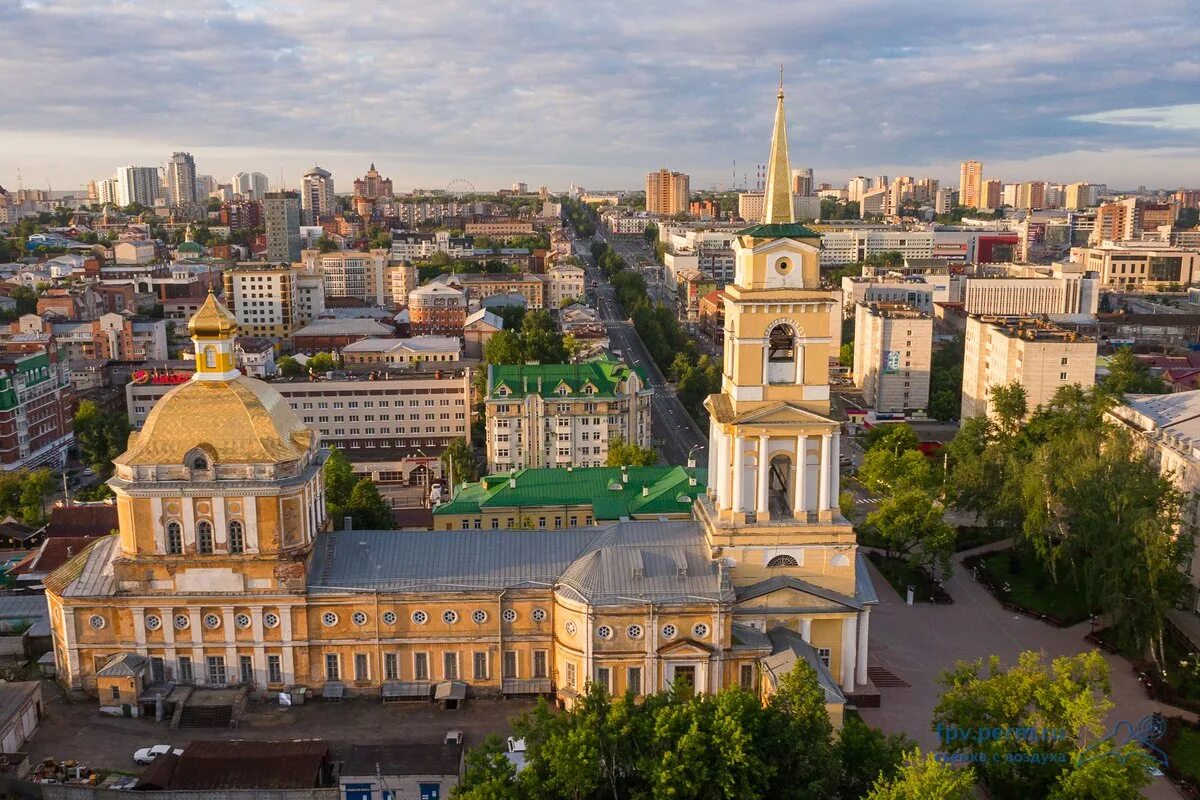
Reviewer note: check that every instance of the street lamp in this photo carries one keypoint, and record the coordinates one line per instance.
(691, 462)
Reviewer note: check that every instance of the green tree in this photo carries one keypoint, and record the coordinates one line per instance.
(895, 437)
(459, 454)
(101, 436)
(368, 508)
(540, 340)
(945, 381)
(846, 355)
(26, 299)
(289, 367)
(629, 454)
(911, 523)
(925, 779)
(650, 234)
(326, 244)
(322, 363)
(10, 493)
(884, 471)
(867, 755)
(1010, 404)
(487, 774)
(504, 348)
(35, 487)
(1127, 375)
(339, 483)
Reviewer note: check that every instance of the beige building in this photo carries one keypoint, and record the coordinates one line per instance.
(667, 192)
(970, 181)
(350, 273)
(499, 228)
(893, 351)
(752, 205)
(418, 349)
(1068, 290)
(264, 298)
(1079, 196)
(1039, 356)
(991, 193)
(403, 277)
(1139, 265)
(224, 571)
(564, 283)
(484, 285)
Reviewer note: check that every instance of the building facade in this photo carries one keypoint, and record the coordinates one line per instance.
(263, 297)
(351, 273)
(564, 285)
(137, 185)
(970, 181)
(316, 196)
(667, 192)
(181, 180)
(1068, 291)
(281, 217)
(1133, 266)
(437, 309)
(35, 403)
(893, 351)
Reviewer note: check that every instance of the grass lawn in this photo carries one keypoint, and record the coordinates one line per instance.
(901, 575)
(1031, 587)
(1184, 753)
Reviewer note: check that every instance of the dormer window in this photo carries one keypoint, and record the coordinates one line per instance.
(563, 391)
(200, 463)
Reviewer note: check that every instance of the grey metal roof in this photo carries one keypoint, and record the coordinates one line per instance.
(746, 637)
(14, 696)
(95, 579)
(791, 647)
(123, 664)
(787, 581)
(864, 586)
(344, 327)
(23, 606)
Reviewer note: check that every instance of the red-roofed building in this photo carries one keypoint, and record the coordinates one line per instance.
(51, 555)
(89, 519)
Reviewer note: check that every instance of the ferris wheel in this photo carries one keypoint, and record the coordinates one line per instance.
(460, 186)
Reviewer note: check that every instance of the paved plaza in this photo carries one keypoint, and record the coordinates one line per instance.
(917, 642)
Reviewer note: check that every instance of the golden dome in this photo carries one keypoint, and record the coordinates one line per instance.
(236, 421)
(213, 319)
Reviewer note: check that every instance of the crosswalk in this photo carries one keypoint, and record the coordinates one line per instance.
(864, 501)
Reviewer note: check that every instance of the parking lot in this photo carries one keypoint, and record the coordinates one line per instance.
(76, 730)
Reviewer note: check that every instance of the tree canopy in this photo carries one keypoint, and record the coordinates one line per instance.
(101, 436)
(629, 454)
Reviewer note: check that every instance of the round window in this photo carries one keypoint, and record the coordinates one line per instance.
(359, 618)
(570, 628)
(420, 617)
(669, 631)
(242, 621)
(509, 615)
(783, 266)
(329, 618)
(700, 630)
(449, 617)
(182, 622)
(604, 632)
(479, 616)
(634, 631)
(538, 615)
(153, 622)
(271, 619)
(389, 618)
(212, 621)
(96, 621)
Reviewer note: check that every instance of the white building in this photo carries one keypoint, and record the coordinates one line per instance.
(316, 196)
(564, 282)
(918, 291)
(1139, 265)
(893, 352)
(410, 246)
(417, 349)
(751, 206)
(850, 246)
(1064, 292)
(1039, 356)
(181, 180)
(351, 273)
(137, 185)
(250, 185)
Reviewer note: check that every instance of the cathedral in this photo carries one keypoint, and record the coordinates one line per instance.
(225, 571)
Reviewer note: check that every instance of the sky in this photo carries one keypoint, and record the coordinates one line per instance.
(600, 93)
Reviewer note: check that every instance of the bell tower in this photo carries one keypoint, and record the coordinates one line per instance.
(772, 502)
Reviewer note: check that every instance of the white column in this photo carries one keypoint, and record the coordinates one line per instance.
(233, 670)
(835, 470)
(806, 629)
(712, 458)
(260, 652)
(189, 523)
(799, 501)
(739, 474)
(849, 641)
(864, 621)
(826, 441)
(766, 364)
(799, 365)
(285, 632)
(723, 471)
(764, 475)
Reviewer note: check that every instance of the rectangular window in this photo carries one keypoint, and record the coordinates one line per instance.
(572, 680)
(509, 665)
(246, 669)
(391, 667)
(481, 666)
(823, 653)
(450, 666)
(216, 670)
(604, 678)
(274, 670)
(361, 673)
(185, 670)
(1062, 376)
(633, 681)
(746, 676)
(333, 669)
(539, 663)
(421, 666)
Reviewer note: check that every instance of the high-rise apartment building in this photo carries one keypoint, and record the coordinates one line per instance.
(1040, 356)
(945, 199)
(250, 185)
(348, 273)
(1031, 195)
(857, 187)
(281, 216)
(316, 195)
(373, 186)
(136, 185)
(802, 181)
(264, 299)
(893, 349)
(991, 193)
(970, 181)
(1079, 196)
(1187, 198)
(1125, 220)
(667, 192)
(181, 180)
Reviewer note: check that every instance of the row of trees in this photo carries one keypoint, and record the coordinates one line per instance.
(731, 745)
(357, 498)
(535, 338)
(23, 494)
(580, 216)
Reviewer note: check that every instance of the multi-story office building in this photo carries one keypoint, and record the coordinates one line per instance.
(752, 205)
(250, 185)
(241, 215)
(281, 215)
(1126, 220)
(893, 351)
(1039, 356)
(418, 349)
(351, 273)
(851, 246)
(1063, 291)
(264, 299)
(667, 193)
(917, 291)
(437, 309)
(856, 187)
(35, 402)
(559, 415)
(874, 202)
(181, 180)
(137, 185)
(970, 181)
(316, 196)
(1139, 265)
(564, 283)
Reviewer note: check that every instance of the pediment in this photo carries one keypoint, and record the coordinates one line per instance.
(684, 648)
(789, 597)
(783, 414)
(784, 243)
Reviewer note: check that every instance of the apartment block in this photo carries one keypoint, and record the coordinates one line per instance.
(109, 337)
(35, 403)
(281, 217)
(410, 246)
(351, 273)
(893, 350)
(1065, 290)
(560, 415)
(752, 206)
(667, 192)
(264, 298)
(499, 229)
(1139, 265)
(1040, 356)
(970, 181)
(851, 246)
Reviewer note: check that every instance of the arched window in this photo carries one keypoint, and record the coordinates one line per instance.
(782, 344)
(783, 561)
(237, 538)
(204, 537)
(210, 357)
(174, 539)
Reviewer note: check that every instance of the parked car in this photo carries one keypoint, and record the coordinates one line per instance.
(454, 737)
(147, 755)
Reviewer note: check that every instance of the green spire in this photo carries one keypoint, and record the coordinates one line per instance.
(778, 201)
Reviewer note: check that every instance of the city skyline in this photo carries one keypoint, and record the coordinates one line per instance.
(598, 99)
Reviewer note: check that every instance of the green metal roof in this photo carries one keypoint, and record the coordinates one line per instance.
(603, 374)
(603, 488)
(783, 230)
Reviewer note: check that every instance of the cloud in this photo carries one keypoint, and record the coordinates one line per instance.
(598, 93)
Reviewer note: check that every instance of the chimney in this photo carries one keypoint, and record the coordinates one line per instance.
(347, 523)
(512, 483)
(692, 481)
(645, 491)
(624, 476)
